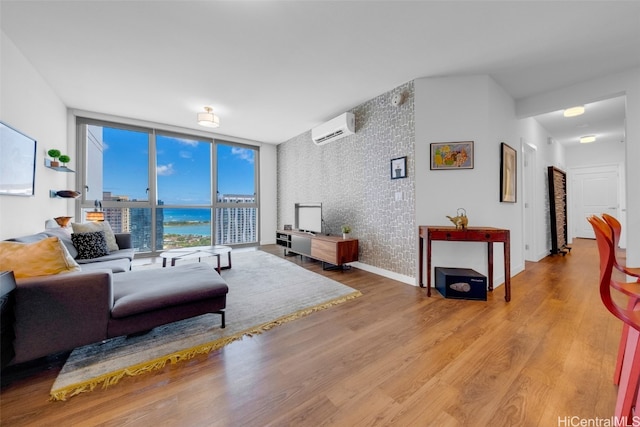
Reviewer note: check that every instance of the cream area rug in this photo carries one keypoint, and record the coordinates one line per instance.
(264, 291)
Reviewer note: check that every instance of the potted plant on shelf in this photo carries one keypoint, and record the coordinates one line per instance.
(64, 159)
(54, 154)
(346, 230)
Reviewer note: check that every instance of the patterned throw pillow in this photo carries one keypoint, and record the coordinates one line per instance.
(90, 245)
(89, 227)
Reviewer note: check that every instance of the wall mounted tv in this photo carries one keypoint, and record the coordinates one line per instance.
(17, 162)
(309, 217)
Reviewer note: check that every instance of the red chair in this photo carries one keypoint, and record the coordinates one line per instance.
(629, 313)
(616, 229)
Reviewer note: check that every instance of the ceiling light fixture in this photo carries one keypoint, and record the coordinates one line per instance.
(574, 111)
(587, 139)
(208, 119)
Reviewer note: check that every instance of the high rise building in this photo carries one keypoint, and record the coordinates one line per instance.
(236, 224)
(119, 218)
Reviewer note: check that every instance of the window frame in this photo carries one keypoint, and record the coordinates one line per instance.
(83, 204)
(256, 187)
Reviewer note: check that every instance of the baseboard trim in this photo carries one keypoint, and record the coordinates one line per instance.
(385, 273)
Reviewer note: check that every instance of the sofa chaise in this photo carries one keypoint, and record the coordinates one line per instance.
(59, 312)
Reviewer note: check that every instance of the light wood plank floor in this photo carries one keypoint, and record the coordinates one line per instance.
(390, 357)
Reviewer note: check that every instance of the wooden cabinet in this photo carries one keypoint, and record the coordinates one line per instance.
(330, 249)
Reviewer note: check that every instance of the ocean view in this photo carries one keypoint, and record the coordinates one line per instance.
(187, 221)
(200, 229)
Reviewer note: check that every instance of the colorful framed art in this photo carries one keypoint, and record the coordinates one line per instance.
(452, 155)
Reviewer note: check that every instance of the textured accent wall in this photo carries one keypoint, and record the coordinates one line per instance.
(352, 179)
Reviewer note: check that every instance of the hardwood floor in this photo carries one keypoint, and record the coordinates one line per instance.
(390, 357)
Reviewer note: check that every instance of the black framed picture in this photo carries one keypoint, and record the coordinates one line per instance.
(508, 174)
(399, 167)
(17, 162)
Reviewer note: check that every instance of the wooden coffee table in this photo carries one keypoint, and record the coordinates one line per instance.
(197, 252)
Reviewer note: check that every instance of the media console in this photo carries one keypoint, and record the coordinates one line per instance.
(330, 249)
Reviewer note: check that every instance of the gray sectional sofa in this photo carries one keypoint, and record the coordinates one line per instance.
(105, 299)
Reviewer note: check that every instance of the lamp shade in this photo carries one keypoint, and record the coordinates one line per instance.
(208, 119)
(95, 216)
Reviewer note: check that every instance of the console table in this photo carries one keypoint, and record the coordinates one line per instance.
(470, 234)
(330, 249)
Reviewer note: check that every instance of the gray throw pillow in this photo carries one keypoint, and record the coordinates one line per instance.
(64, 235)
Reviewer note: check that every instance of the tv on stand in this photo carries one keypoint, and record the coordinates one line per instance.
(308, 218)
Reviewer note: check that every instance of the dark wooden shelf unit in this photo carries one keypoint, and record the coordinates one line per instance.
(558, 210)
(330, 249)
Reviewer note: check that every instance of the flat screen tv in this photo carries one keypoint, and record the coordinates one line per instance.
(309, 217)
(17, 162)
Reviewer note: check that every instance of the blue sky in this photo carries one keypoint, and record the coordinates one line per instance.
(183, 167)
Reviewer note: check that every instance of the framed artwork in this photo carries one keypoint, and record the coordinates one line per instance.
(17, 162)
(452, 155)
(399, 168)
(508, 174)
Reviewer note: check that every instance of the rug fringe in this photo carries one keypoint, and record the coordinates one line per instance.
(114, 377)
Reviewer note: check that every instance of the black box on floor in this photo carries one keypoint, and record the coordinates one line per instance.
(461, 283)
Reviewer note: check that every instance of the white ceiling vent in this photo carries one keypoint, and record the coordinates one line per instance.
(334, 129)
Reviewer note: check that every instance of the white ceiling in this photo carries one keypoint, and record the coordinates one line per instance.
(603, 119)
(275, 69)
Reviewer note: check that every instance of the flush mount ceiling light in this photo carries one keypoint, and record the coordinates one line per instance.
(574, 111)
(208, 119)
(587, 139)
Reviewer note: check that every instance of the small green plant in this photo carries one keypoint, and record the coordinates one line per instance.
(54, 154)
(64, 159)
(346, 229)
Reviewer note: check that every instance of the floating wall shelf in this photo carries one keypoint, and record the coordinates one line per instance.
(47, 163)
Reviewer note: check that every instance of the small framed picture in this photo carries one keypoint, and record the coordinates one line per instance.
(452, 155)
(508, 174)
(399, 168)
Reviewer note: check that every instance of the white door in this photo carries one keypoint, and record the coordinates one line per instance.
(595, 191)
(529, 191)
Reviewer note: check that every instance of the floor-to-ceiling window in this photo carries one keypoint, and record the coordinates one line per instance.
(157, 185)
(183, 176)
(236, 196)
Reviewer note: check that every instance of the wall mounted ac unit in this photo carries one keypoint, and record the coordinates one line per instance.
(334, 129)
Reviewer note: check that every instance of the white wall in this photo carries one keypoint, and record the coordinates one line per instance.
(268, 193)
(28, 104)
(547, 154)
(461, 109)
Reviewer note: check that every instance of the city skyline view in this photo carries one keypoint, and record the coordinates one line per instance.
(183, 168)
(183, 200)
